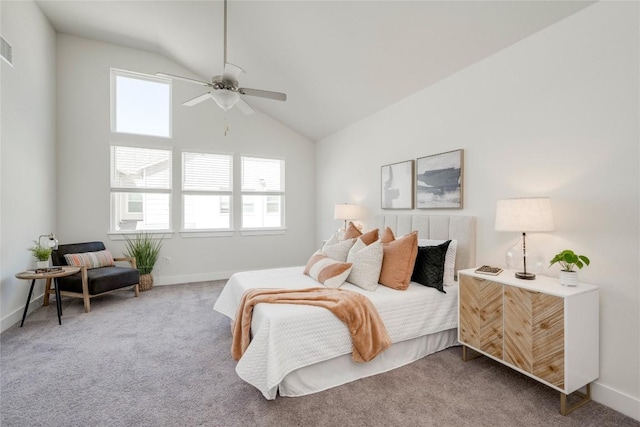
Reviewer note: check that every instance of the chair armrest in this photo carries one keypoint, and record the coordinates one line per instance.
(131, 260)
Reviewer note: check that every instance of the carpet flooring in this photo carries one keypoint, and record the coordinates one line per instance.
(163, 359)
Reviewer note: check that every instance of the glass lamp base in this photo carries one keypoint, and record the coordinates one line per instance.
(515, 259)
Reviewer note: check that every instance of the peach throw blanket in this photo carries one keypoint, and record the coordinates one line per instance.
(368, 333)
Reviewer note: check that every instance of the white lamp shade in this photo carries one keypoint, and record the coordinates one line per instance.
(225, 98)
(346, 211)
(530, 214)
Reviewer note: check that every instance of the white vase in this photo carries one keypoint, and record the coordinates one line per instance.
(568, 278)
(42, 264)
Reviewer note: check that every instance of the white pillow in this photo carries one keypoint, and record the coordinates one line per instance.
(337, 250)
(367, 263)
(327, 271)
(449, 260)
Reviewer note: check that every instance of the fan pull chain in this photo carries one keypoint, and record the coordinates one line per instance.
(226, 125)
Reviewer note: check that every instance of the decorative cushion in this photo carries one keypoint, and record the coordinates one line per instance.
(367, 263)
(449, 260)
(351, 232)
(429, 267)
(387, 236)
(337, 250)
(90, 259)
(368, 238)
(327, 271)
(398, 260)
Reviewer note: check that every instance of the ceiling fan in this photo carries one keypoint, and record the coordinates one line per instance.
(226, 92)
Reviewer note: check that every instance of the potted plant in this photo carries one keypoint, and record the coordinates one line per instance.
(145, 250)
(41, 253)
(568, 260)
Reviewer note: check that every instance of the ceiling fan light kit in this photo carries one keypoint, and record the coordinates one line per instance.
(225, 89)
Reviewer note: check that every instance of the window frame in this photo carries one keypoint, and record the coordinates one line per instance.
(249, 231)
(114, 73)
(126, 190)
(206, 232)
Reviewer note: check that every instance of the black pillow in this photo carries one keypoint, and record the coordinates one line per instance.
(429, 267)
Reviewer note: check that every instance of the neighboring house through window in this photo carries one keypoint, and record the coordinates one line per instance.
(140, 189)
(207, 191)
(263, 193)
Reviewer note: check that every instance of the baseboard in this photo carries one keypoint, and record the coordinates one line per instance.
(191, 278)
(616, 400)
(16, 316)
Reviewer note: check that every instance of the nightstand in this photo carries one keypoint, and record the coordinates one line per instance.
(540, 328)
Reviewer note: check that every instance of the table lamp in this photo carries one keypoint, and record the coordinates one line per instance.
(346, 211)
(530, 214)
(52, 242)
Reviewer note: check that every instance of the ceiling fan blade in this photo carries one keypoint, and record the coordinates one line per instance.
(278, 96)
(198, 99)
(244, 107)
(231, 72)
(184, 79)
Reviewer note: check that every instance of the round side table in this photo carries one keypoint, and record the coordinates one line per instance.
(33, 276)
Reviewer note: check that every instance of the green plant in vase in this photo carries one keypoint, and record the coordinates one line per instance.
(568, 260)
(145, 249)
(41, 253)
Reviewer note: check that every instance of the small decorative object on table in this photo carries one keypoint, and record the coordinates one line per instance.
(487, 269)
(568, 259)
(145, 250)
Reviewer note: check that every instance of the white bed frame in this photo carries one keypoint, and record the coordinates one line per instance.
(341, 370)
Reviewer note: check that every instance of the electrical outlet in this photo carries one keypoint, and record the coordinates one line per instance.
(166, 260)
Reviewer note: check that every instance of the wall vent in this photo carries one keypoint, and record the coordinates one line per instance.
(6, 51)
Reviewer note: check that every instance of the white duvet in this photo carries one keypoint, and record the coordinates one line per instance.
(288, 337)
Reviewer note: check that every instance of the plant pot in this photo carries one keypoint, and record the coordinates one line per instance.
(568, 278)
(42, 264)
(146, 282)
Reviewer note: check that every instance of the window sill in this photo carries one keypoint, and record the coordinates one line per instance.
(122, 235)
(206, 233)
(262, 231)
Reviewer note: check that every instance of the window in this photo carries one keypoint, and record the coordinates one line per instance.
(207, 190)
(140, 104)
(140, 189)
(262, 193)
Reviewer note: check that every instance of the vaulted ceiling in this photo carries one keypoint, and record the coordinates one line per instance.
(338, 61)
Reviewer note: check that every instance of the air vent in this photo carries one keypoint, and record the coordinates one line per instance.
(6, 51)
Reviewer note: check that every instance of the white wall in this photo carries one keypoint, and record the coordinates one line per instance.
(84, 138)
(555, 115)
(27, 139)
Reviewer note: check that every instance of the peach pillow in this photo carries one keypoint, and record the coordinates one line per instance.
(387, 236)
(398, 260)
(367, 238)
(351, 232)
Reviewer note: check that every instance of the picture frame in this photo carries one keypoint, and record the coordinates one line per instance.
(396, 185)
(439, 181)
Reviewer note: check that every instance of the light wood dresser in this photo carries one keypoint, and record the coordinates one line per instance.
(538, 327)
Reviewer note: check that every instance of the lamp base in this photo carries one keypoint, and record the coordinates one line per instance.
(525, 276)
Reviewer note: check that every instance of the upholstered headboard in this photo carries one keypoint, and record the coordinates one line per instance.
(440, 227)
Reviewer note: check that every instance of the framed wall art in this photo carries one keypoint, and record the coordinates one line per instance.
(397, 185)
(439, 181)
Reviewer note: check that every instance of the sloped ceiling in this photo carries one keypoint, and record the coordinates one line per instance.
(338, 61)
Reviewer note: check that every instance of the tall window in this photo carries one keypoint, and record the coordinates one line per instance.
(207, 191)
(140, 104)
(262, 193)
(140, 189)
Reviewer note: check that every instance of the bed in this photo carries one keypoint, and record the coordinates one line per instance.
(299, 350)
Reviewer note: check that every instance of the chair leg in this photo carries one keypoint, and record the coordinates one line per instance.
(136, 289)
(85, 290)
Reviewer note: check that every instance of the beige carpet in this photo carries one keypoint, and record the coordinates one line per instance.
(163, 359)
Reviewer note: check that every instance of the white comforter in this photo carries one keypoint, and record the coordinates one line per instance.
(288, 337)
